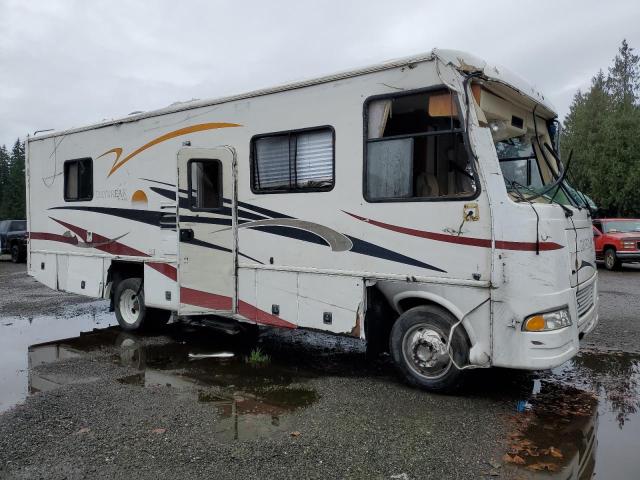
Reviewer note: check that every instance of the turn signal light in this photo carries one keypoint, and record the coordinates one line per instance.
(535, 323)
(543, 322)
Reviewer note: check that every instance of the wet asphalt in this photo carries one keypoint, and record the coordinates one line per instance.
(81, 399)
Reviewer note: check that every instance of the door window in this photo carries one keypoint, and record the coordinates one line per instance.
(415, 149)
(205, 184)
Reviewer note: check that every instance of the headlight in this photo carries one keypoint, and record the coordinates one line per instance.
(629, 245)
(543, 322)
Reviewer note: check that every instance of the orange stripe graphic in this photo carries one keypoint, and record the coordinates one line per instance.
(167, 136)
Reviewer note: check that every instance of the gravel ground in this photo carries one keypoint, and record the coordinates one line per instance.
(619, 326)
(137, 406)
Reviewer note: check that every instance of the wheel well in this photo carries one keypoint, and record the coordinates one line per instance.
(412, 302)
(381, 316)
(609, 247)
(120, 270)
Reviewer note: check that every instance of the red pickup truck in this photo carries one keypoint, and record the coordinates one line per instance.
(617, 241)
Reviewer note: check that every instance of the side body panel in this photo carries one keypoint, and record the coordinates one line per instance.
(287, 251)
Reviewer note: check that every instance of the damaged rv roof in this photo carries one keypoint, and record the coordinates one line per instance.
(462, 61)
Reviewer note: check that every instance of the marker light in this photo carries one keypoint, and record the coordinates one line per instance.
(544, 322)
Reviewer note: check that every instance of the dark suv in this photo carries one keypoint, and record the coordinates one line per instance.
(13, 239)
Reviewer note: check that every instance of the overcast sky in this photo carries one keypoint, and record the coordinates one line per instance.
(67, 63)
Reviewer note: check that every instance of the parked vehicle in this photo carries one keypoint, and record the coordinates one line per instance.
(418, 204)
(13, 239)
(617, 241)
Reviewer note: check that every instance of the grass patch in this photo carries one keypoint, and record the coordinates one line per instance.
(258, 357)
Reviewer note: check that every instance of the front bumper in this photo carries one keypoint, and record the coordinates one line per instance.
(631, 256)
(546, 350)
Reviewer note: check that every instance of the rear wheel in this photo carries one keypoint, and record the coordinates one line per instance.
(611, 261)
(131, 311)
(418, 346)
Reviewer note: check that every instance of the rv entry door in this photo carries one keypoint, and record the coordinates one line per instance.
(207, 230)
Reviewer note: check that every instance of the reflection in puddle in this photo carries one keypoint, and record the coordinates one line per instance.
(17, 333)
(579, 422)
(556, 433)
(251, 401)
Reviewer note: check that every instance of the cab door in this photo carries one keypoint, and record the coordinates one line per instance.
(207, 226)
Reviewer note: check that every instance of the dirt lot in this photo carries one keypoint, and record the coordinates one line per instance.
(81, 399)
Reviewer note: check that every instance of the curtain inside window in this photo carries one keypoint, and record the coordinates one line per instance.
(314, 158)
(71, 183)
(390, 169)
(272, 162)
(379, 112)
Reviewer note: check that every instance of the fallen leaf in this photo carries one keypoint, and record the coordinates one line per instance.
(549, 467)
(517, 459)
(159, 431)
(295, 434)
(83, 430)
(554, 452)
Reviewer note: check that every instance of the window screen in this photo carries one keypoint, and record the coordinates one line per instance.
(293, 161)
(205, 184)
(78, 180)
(415, 149)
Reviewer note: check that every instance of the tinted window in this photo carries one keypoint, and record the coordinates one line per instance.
(78, 180)
(18, 225)
(415, 149)
(205, 184)
(293, 161)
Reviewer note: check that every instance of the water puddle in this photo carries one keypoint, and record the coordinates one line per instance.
(251, 394)
(579, 421)
(18, 333)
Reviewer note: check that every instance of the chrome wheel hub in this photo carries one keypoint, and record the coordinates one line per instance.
(425, 350)
(130, 306)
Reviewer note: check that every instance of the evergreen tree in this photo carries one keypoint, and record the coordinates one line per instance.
(14, 195)
(5, 160)
(602, 128)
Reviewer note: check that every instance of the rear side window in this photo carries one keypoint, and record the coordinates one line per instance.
(18, 225)
(205, 184)
(295, 161)
(78, 180)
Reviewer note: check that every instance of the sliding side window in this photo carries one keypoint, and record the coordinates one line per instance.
(78, 180)
(205, 184)
(415, 149)
(295, 161)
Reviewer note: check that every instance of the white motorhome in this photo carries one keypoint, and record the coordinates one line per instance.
(418, 204)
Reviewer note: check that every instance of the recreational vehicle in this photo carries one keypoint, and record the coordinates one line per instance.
(419, 205)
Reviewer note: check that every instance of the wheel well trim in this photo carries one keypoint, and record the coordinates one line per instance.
(433, 298)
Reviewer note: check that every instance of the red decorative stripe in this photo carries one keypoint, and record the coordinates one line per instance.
(108, 245)
(204, 299)
(474, 242)
(165, 269)
(527, 246)
(260, 316)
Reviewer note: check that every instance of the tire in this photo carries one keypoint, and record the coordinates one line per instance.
(611, 261)
(17, 255)
(418, 348)
(131, 311)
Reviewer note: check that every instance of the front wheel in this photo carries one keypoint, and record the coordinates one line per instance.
(611, 261)
(418, 347)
